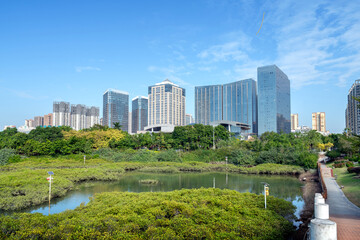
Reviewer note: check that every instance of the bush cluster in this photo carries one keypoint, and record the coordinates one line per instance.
(8, 156)
(354, 170)
(339, 165)
(185, 214)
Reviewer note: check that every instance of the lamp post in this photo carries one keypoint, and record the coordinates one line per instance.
(49, 179)
(213, 137)
(266, 191)
(226, 162)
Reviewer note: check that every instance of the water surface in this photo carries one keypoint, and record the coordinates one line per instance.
(288, 188)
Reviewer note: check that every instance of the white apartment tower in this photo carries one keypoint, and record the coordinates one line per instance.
(78, 116)
(92, 116)
(166, 104)
(61, 114)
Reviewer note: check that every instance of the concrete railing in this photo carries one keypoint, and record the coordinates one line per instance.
(322, 183)
(321, 228)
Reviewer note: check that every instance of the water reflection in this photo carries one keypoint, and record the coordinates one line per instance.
(288, 188)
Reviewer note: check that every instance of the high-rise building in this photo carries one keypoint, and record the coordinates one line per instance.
(139, 114)
(274, 100)
(78, 116)
(48, 120)
(39, 121)
(61, 114)
(352, 112)
(29, 123)
(208, 104)
(116, 108)
(166, 104)
(318, 121)
(92, 116)
(235, 102)
(189, 119)
(294, 121)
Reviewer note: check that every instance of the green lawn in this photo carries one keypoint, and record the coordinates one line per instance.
(351, 184)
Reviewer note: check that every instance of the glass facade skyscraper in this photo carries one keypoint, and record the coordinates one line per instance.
(116, 108)
(208, 104)
(139, 114)
(235, 101)
(274, 100)
(352, 112)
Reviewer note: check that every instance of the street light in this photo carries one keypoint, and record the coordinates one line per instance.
(213, 137)
(49, 179)
(266, 190)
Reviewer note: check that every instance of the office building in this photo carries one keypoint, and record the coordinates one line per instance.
(38, 121)
(294, 121)
(189, 119)
(166, 104)
(61, 114)
(273, 100)
(318, 121)
(233, 102)
(139, 114)
(352, 112)
(48, 120)
(116, 108)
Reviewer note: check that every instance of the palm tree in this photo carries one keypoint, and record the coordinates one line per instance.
(117, 125)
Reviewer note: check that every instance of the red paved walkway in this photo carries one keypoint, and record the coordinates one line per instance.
(342, 211)
(347, 228)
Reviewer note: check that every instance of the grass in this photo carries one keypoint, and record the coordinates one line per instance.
(24, 184)
(351, 184)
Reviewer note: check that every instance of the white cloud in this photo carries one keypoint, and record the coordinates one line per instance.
(26, 95)
(172, 73)
(318, 43)
(314, 43)
(87, 68)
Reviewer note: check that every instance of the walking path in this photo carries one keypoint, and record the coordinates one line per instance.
(342, 211)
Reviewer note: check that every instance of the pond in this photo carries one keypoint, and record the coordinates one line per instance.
(288, 188)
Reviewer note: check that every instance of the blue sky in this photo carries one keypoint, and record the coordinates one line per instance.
(75, 50)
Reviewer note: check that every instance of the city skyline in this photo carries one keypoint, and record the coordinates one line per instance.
(46, 57)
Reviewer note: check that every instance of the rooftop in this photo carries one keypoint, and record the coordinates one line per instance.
(116, 91)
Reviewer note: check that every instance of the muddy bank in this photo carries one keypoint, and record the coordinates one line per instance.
(311, 187)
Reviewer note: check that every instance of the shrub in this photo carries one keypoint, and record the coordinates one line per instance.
(143, 156)
(168, 156)
(349, 164)
(339, 165)
(241, 157)
(307, 160)
(333, 154)
(354, 170)
(8, 155)
(185, 214)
